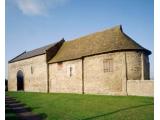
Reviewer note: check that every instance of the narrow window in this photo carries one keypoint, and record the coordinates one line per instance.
(108, 65)
(70, 71)
(31, 70)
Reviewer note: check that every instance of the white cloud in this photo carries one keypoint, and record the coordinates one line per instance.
(38, 7)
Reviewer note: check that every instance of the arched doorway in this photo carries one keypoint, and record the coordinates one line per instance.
(20, 80)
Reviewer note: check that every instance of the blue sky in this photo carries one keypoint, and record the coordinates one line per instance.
(34, 23)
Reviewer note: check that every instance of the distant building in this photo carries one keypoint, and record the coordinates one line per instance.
(107, 62)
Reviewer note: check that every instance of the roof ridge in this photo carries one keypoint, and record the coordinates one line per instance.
(117, 27)
(113, 29)
(34, 52)
(55, 43)
(109, 40)
(17, 56)
(41, 47)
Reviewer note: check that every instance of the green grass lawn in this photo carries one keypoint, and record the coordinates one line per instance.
(87, 107)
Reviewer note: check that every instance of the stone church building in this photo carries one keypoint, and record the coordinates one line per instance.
(107, 62)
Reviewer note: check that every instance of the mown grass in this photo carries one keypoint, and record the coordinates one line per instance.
(87, 107)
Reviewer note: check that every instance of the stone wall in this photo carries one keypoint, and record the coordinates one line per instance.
(140, 87)
(97, 80)
(134, 67)
(62, 79)
(92, 76)
(146, 67)
(35, 81)
(98, 74)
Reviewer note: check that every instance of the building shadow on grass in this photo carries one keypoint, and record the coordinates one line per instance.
(116, 111)
(9, 114)
(39, 116)
(15, 110)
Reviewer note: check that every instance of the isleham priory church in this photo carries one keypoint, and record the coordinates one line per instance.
(107, 62)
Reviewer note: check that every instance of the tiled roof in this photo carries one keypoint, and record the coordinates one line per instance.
(32, 53)
(110, 40)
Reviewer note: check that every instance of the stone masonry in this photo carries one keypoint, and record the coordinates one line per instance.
(126, 65)
(107, 62)
(33, 82)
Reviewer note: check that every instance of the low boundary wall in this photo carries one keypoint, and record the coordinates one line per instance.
(140, 87)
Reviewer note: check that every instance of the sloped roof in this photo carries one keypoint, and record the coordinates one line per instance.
(109, 40)
(32, 53)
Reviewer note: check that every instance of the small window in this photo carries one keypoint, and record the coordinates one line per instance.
(60, 65)
(31, 70)
(108, 65)
(71, 71)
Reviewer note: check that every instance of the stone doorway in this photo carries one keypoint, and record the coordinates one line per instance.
(20, 80)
